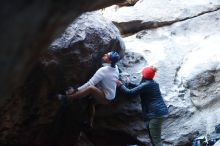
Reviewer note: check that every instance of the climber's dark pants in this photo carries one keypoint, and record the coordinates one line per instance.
(154, 130)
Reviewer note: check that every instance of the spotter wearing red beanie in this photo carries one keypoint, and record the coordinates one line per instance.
(148, 73)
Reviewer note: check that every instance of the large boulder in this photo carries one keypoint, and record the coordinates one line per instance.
(33, 116)
(79, 50)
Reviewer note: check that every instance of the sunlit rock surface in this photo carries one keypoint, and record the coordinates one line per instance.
(160, 10)
(147, 14)
(187, 55)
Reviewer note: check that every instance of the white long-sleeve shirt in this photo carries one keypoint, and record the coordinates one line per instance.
(105, 79)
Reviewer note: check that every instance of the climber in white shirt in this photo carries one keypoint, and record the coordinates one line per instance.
(102, 86)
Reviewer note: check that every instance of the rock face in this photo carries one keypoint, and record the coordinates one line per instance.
(152, 14)
(33, 116)
(187, 56)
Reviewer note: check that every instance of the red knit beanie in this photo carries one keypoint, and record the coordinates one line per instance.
(148, 73)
